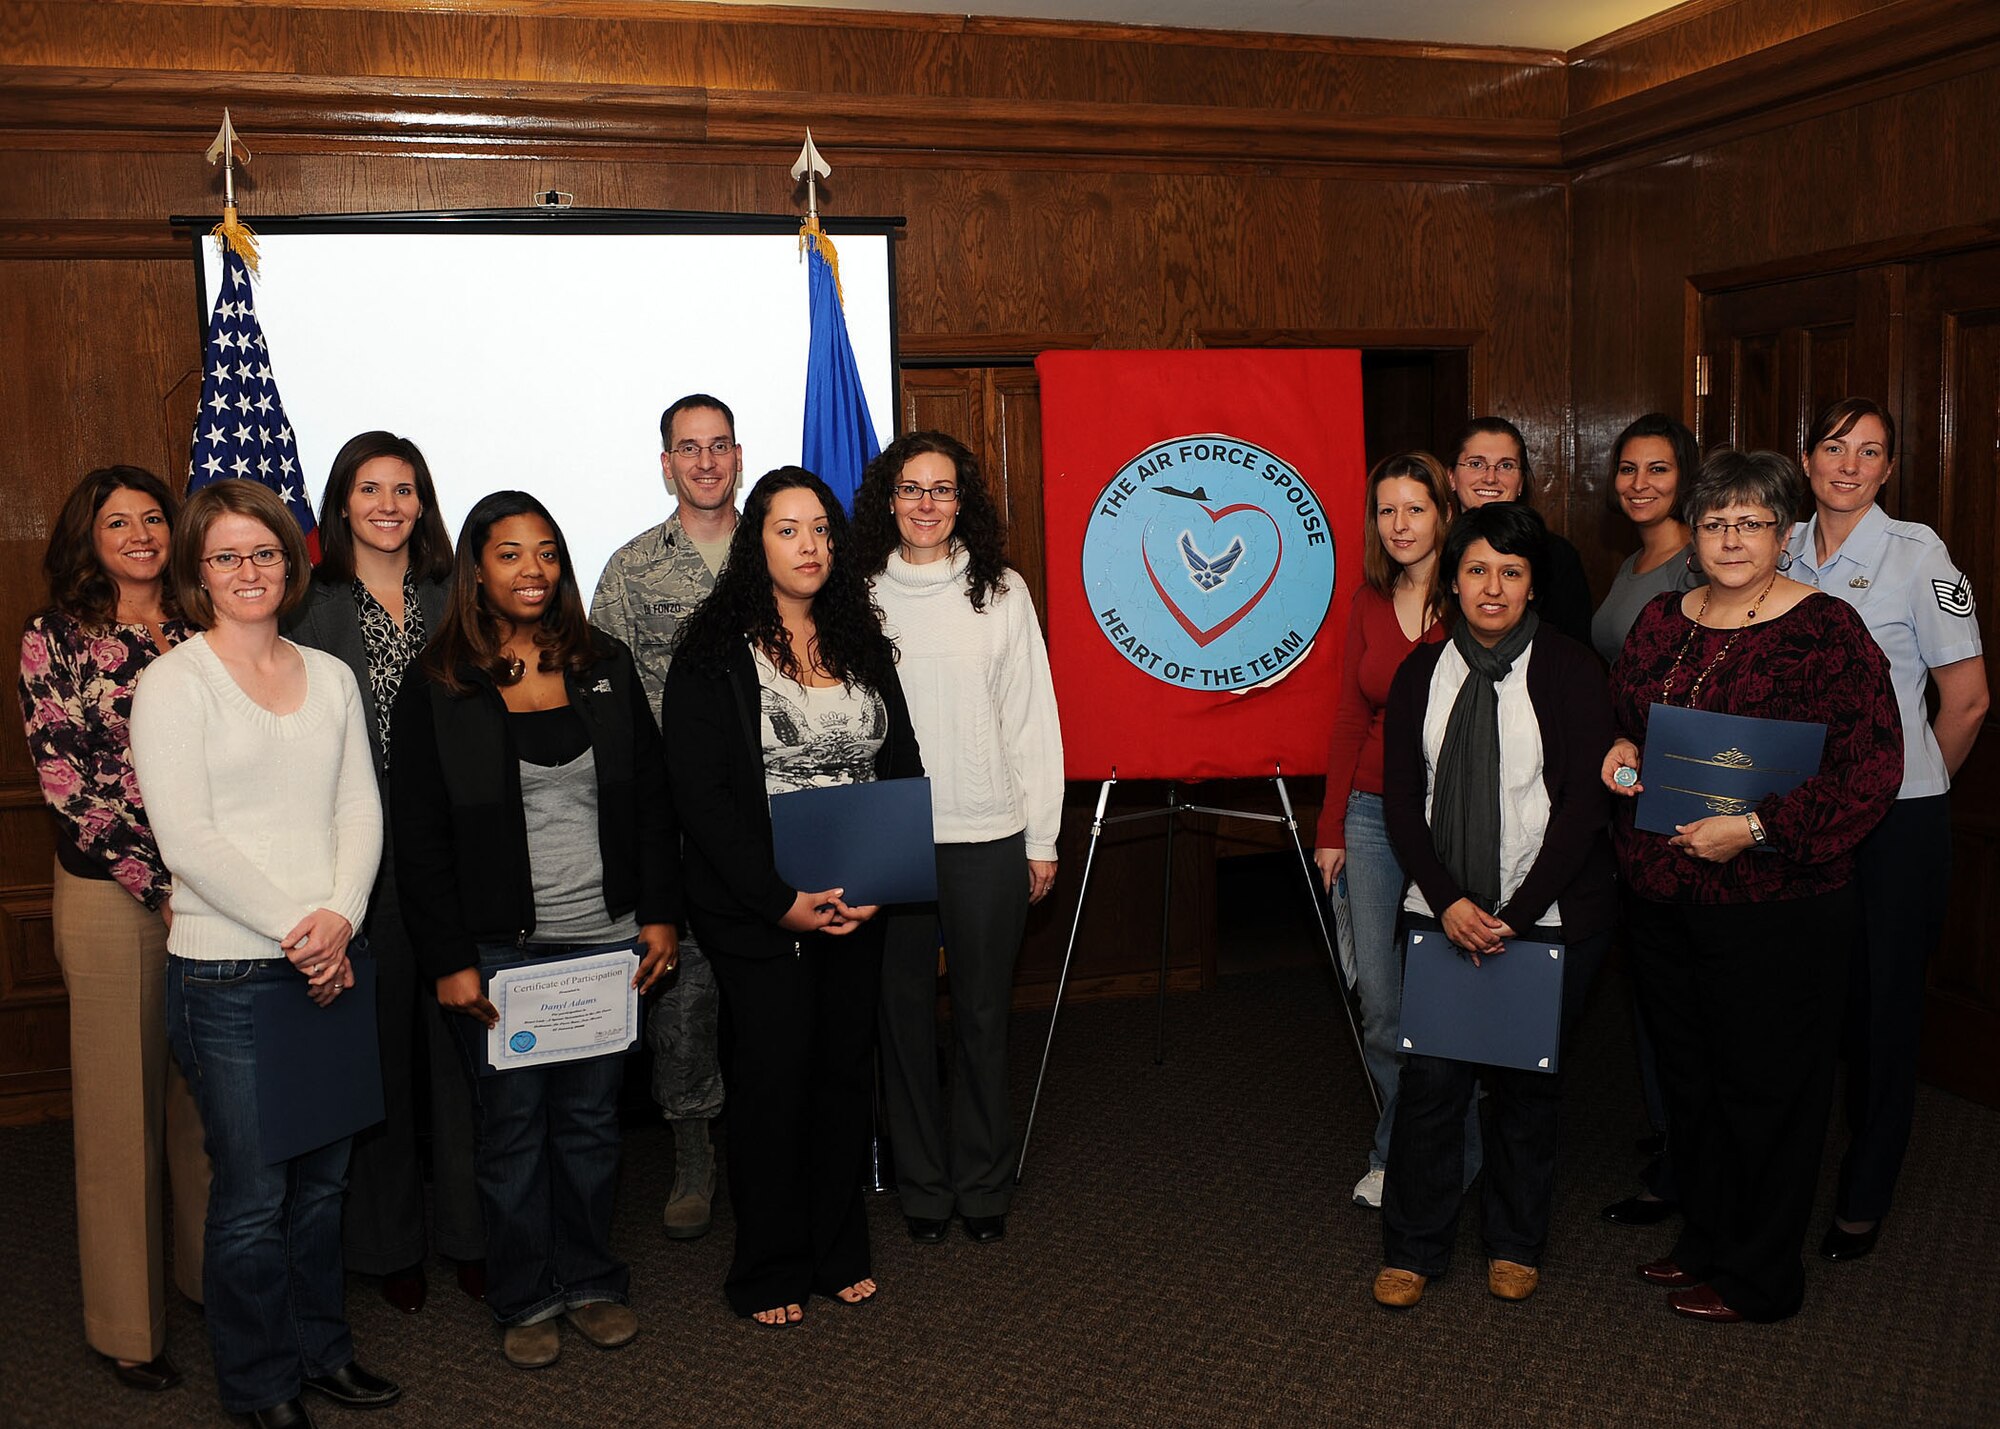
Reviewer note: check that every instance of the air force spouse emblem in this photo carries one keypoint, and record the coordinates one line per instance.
(1208, 562)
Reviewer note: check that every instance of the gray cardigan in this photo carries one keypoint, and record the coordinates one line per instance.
(329, 620)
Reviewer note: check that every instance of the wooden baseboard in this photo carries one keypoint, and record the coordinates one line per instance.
(30, 1108)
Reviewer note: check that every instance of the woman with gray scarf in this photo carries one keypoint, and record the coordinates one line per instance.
(1492, 748)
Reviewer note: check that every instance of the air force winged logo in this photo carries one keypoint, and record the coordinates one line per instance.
(1954, 599)
(1208, 572)
(1209, 561)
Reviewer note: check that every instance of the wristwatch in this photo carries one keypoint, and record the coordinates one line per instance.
(1756, 828)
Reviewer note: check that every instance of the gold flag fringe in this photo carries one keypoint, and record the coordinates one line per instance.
(811, 233)
(234, 233)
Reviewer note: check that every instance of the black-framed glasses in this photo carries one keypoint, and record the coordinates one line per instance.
(1748, 526)
(719, 448)
(944, 493)
(230, 560)
(1506, 466)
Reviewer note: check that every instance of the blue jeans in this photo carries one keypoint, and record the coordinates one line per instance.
(1375, 884)
(272, 1279)
(546, 1158)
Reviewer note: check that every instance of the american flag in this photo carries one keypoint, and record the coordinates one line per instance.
(241, 430)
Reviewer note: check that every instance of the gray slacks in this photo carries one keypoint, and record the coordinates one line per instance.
(966, 1166)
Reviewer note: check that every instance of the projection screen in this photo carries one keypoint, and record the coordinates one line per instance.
(537, 350)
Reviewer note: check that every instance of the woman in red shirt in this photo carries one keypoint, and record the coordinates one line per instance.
(1394, 611)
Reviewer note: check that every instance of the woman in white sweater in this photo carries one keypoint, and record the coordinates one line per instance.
(252, 757)
(973, 665)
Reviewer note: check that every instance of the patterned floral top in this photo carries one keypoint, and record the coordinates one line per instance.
(391, 648)
(1815, 662)
(76, 700)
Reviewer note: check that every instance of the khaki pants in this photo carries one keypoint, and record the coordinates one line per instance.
(131, 1110)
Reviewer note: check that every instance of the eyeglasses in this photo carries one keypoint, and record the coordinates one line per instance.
(1749, 526)
(1506, 466)
(719, 448)
(943, 494)
(230, 560)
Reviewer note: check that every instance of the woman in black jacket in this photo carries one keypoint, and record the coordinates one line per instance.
(377, 596)
(783, 680)
(531, 819)
(1491, 789)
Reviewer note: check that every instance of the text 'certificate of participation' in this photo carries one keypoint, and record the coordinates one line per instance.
(564, 1010)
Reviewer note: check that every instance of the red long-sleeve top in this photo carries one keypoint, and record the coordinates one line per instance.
(1376, 648)
(1815, 662)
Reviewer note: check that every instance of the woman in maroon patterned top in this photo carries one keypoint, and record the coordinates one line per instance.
(1740, 924)
(111, 611)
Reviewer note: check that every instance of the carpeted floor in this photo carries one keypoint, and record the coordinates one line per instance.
(1182, 1252)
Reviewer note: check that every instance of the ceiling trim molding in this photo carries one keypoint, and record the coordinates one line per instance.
(105, 108)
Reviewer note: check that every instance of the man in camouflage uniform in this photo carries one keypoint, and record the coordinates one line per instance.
(648, 587)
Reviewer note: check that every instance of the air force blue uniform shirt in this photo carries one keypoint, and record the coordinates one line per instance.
(1917, 605)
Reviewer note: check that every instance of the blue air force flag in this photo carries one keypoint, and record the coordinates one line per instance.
(240, 429)
(839, 439)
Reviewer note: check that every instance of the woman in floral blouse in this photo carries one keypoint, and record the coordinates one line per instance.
(111, 612)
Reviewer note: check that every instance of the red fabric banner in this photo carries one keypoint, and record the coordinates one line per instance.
(1202, 512)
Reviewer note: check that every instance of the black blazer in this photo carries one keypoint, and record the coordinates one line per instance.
(1573, 709)
(330, 620)
(1562, 599)
(461, 838)
(715, 765)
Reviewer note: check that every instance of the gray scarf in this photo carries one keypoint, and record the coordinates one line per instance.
(1465, 795)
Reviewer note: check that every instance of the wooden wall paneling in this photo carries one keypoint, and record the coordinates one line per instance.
(34, 1074)
(1013, 400)
(1955, 444)
(944, 399)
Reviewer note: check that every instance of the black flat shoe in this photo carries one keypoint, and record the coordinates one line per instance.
(984, 1230)
(153, 1376)
(927, 1230)
(1638, 1211)
(289, 1415)
(355, 1387)
(406, 1289)
(1651, 1144)
(1848, 1245)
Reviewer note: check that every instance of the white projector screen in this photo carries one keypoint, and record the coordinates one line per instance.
(540, 356)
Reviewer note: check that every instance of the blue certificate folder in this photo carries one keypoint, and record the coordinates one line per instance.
(872, 839)
(319, 1075)
(1698, 764)
(1507, 1012)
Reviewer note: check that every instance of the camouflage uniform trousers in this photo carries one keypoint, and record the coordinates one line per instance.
(681, 1029)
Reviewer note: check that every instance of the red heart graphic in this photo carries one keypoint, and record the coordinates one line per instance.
(1215, 632)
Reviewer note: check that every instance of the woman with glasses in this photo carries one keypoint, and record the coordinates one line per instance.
(976, 673)
(1491, 464)
(782, 680)
(1395, 612)
(1918, 606)
(378, 593)
(111, 614)
(1740, 925)
(252, 754)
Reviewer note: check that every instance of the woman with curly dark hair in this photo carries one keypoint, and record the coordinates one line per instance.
(982, 701)
(783, 680)
(111, 613)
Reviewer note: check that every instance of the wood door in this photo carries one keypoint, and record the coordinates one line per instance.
(1950, 472)
(1779, 352)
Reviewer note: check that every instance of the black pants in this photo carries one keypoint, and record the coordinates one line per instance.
(982, 909)
(1424, 1188)
(801, 1082)
(1745, 1000)
(1903, 871)
(382, 1219)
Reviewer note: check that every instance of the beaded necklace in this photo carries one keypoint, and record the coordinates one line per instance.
(1695, 694)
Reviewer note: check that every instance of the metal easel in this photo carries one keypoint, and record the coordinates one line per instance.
(1174, 808)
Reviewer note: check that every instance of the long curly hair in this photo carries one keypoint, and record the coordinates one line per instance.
(849, 638)
(469, 636)
(78, 584)
(979, 530)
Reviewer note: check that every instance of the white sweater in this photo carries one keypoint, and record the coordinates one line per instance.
(261, 818)
(982, 702)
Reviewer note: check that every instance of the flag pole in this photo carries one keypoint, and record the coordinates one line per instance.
(229, 150)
